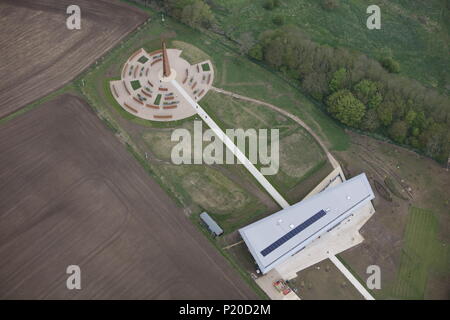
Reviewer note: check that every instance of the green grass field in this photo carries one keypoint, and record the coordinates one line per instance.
(423, 254)
(205, 67)
(215, 193)
(211, 190)
(424, 261)
(135, 84)
(299, 152)
(413, 32)
(207, 187)
(143, 59)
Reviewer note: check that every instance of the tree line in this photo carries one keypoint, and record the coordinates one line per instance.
(194, 13)
(360, 92)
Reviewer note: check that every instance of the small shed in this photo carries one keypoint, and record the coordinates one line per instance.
(211, 224)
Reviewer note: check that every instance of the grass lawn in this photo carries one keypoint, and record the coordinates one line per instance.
(189, 52)
(206, 67)
(135, 84)
(423, 254)
(415, 33)
(157, 100)
(143, 59)
(215, 193)
(206, 186)
(299, 152)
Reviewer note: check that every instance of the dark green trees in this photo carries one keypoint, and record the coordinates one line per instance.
(359, 92)
(346, 108)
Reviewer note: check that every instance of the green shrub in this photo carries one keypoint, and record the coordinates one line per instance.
(135, 84)
(346, 108)
(256, 52)
(271, 4)
(390, 65)
(278, 20)
(398, 131)
(157, 100)
(370, 121)
(205, 67)
(338, 80)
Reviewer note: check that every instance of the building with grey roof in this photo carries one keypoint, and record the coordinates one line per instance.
(211, 224)
(277, 237)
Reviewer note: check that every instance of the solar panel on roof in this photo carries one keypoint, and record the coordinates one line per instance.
(293, 232)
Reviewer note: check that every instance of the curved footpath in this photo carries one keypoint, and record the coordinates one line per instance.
(330, 157)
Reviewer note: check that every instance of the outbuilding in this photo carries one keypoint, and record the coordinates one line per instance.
(211, 224)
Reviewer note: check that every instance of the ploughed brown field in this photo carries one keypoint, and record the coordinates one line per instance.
(72, 195)
(39, 54)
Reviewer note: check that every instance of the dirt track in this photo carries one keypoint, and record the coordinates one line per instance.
(330, 157)
(71, 194)
(39, 54)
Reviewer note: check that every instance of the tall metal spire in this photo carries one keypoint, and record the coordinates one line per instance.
(166, 66)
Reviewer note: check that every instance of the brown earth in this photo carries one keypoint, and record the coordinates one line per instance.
(72, 195)
(39, 54)
(324, 281)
